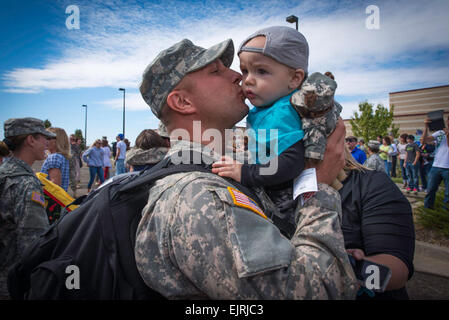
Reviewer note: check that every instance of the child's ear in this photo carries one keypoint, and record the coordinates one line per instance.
(296, 79)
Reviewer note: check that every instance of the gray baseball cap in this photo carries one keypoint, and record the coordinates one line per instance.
(173, 64)
(374, 145)
(18, 126)
(284, 44)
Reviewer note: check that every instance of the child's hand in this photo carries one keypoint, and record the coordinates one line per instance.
(228, 167)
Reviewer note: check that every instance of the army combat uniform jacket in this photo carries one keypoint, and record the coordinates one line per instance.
(141, 157)
(200, 238)
(375, 162)
(22, 213)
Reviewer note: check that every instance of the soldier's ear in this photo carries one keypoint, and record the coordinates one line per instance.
(30, 141)
(179, 101)
(296, 78)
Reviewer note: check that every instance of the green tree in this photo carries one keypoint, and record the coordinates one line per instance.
(394, 131)
(373, 123)
(79, 135)
(47, 123)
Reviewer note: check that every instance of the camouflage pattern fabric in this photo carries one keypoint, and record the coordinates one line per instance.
(140, 157)
(173, 64)
(18, 126)
(319, 112)
(375, 162)
(162, 130)
(74, 164)
(22, 214)
(197, 241)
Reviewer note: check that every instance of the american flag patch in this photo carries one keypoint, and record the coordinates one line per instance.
(39, 198)
(242, 200)
(306, 196)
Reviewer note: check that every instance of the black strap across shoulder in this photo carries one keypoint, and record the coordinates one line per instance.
(98, 238)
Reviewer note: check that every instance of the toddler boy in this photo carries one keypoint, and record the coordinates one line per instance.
(274, 64)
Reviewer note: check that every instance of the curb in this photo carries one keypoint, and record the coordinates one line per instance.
(431, 259)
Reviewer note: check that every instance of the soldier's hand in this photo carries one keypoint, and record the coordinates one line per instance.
(228, 167)
(358, 254)
(334, 156)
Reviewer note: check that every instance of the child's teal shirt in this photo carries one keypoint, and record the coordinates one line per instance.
(281, 116)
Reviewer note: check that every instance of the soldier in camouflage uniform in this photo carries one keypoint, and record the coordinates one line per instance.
(374, 161)
(74, 163)
(22, 205)
(149, 149)
(141, 157)
(199, 236)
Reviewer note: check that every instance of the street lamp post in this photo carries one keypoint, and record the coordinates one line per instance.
(293, 19)
(122, 89)
(85, 127)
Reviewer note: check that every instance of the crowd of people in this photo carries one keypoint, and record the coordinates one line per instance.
(65, 156)
(200, 235)
(423, 163)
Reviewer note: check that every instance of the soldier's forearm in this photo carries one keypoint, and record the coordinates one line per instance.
(319, 240)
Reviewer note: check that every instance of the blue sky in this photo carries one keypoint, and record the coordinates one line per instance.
(48, 71)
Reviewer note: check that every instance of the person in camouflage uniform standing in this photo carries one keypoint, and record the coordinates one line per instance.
(374, 162)
(201, 237)
(74, 163)
(22, 205)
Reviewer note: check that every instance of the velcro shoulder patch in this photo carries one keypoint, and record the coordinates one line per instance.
(38, 198)
(242, 200)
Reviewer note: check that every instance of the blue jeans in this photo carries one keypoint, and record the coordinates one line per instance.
(412, 174)
(424, 173)
(387, 167)
(120, 167)
(95, 171)
(404, 172)
(435, 177)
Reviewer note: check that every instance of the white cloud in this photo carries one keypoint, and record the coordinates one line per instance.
(349, 107)
(371, 82)
(113, 47)
(133, 102)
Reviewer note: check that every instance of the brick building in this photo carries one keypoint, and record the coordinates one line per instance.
(412, 106)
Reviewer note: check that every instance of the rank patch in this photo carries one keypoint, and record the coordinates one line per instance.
(38, 197)
(242, 200)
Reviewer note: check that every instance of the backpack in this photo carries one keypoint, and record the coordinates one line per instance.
(88, 254)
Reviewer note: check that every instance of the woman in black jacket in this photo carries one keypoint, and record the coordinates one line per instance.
(377, 225)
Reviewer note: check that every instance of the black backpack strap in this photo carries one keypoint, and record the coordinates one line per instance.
(166, 167)
(283, 224)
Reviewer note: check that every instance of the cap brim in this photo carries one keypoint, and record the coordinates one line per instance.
(223, 51)
(48, 134)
